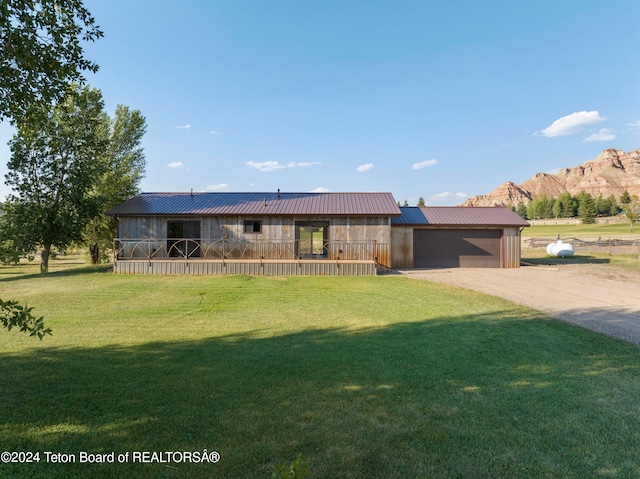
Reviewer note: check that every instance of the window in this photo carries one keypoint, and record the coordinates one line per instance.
(183, 239)
(311, 239)
(252, 226)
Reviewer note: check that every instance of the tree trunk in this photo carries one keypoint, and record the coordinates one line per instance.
(94, 251)
(44, 262)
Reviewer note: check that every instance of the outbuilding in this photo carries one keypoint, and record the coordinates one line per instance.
(456, 237)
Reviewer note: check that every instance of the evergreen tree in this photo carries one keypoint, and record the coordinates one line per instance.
(539, 207)
(587, 210)
(625, 198)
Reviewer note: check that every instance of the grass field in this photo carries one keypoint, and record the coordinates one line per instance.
(605, 230)
(375, 377)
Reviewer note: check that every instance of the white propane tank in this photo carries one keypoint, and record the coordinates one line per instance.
(560, 249)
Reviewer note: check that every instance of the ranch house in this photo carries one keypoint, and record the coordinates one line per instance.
(306, 234)
(254, 233)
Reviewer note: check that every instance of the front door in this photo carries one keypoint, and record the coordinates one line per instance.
(311, 239)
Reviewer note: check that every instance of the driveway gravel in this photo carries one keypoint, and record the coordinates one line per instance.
(593, 296)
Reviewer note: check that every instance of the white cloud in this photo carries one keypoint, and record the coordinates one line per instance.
(365, 167)
(306, 164)
(424, 164)
(570, 124)
(605, 134)
(269, 166)
(175, 164)
(219, 187)
(320, 189)
(183, 127)
(214, 132)
(266, 165)
(634, 126)
(447, 195)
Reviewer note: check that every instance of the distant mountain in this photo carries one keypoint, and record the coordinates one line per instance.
(611, 173)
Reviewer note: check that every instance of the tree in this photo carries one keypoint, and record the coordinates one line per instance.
(421, 201)
(406, 203)
(124, 169)
(55, 164)
(587, 209)
(614, 209)
(568, 205)
(539, 207)
(13, 315)
(632, 211)
(625, 198)
(521, 210)
(40, 53)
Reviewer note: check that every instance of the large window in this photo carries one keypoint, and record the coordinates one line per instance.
(311, 239)
(183, 239)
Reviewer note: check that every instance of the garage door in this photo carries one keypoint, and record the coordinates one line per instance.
(456, 248)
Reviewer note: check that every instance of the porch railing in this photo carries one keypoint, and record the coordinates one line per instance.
(149, 249)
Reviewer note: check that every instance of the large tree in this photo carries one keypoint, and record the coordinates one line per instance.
(56, 163)
(124, 169)
(41, 52)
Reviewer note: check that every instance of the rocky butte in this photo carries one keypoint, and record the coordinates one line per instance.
(610, 173)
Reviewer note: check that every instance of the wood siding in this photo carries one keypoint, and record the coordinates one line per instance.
(512, 252)
(352, 229)
(267, 268)
(402, 247)
(349, 238)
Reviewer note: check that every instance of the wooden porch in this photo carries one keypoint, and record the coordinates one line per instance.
(189, 256)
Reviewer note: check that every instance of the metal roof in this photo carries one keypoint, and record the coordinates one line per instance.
(459, 216)
(411, 215)
(258, 204)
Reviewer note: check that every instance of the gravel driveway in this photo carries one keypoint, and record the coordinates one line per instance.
(594, 296)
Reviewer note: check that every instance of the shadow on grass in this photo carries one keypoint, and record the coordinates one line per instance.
(555, 260)
(521, 397)
(64, 271)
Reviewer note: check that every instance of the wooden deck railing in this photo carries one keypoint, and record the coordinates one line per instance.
(149, 249)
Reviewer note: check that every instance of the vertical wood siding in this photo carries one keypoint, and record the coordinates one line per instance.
(402, 247)
(324, 268)
(511, 248)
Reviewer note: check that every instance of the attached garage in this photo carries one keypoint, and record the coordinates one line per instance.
(456, 248)
(456, 237)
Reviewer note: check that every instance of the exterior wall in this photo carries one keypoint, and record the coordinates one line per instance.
(402, 247)
(511, 248)
(273, 228)
(349, 238)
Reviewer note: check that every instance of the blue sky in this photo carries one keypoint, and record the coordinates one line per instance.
(443, 100)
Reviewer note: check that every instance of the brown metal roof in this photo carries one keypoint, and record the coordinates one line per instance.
(258, 204)
(459, 216)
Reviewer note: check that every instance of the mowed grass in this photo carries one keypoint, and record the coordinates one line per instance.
(377, 377)
(579, 230)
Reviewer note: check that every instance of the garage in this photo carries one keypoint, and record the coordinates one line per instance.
(451, 248)
(456, 237)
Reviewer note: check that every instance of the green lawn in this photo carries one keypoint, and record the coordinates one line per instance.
(376, 377)
(611, 230)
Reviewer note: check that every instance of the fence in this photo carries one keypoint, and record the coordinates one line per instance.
(612, 246)
(192, 249)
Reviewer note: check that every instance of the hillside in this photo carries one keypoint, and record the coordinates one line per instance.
(610, 173)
